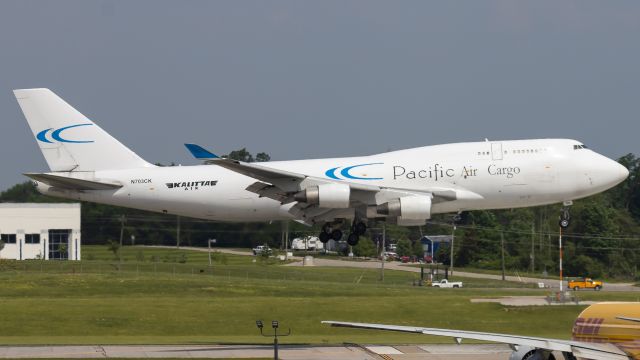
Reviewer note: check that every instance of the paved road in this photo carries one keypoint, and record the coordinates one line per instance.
(375, 264)
(347, 352)
(550, 283)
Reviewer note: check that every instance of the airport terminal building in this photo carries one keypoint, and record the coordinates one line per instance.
(40, 231)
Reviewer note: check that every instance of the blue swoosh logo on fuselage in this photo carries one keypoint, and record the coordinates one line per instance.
(345, 172)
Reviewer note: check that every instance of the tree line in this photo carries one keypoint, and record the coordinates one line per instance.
(603, 239)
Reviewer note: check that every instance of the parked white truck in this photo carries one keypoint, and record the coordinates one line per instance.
(444, 283)
(307, 243)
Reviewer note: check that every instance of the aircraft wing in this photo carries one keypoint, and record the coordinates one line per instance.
(282, 185)
(583, 350)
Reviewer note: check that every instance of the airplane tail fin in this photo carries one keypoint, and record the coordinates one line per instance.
(70, 141)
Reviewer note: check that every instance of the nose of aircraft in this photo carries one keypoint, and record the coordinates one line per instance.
(615, 173)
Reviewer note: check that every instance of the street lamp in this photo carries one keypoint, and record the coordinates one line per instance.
(274, 325)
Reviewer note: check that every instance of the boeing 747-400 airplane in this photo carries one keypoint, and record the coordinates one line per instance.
(404, 187)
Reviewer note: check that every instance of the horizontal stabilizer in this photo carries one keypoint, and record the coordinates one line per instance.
(65, 182)
(200, 153)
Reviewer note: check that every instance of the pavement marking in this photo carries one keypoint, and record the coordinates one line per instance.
(384, 350)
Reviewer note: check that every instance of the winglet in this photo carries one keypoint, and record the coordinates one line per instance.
(200, 153)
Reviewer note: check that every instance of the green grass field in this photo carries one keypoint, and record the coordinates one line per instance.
(91, 302)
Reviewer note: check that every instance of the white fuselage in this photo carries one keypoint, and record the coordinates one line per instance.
(505, 174)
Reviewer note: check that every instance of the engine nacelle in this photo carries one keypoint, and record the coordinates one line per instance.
(530, 353)
(408, 207)
(335, 196)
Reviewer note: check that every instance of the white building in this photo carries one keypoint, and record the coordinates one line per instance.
(40, 231)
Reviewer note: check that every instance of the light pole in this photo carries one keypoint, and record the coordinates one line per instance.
(454, 220)
(133, 240)
(384, 240)
(209, 242)
(274, 325)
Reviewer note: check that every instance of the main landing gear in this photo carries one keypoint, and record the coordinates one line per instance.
(328, 233)
(358, 228)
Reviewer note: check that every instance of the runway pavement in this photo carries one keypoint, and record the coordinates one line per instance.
(287, 352)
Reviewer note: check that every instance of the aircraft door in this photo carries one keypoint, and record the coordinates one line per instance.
(496, 151)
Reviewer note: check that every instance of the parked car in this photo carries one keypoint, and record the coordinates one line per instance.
(390, 256)
(444, 283)
(260, 249)
(585, 283)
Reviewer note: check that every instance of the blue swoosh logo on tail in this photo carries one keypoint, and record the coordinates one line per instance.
(57, 135)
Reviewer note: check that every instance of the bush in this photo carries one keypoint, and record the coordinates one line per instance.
(404, 248)
(365, 247)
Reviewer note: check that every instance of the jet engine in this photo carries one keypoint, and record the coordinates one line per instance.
(530, 353)
(408, 207)
(335, 196)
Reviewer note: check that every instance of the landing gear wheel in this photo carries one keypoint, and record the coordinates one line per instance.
(324, 237)
(360, 228)
(336, 234)
(353, 239)
(565, 218)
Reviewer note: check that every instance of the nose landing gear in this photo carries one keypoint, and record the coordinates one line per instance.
(565, 217)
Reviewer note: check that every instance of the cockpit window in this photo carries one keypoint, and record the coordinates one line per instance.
(578, 147)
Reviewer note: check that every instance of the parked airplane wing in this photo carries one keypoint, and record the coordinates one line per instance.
(592, 351)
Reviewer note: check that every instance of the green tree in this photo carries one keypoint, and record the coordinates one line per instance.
(365, 247)
(443, 255)
(241, 155)
(418, 249)
(262, 157)
(404, 247)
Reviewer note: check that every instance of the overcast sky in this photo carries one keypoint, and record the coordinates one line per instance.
(308, 79)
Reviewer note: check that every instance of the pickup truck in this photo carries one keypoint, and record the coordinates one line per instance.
(444, 283)
(585, 283)
(261, 249)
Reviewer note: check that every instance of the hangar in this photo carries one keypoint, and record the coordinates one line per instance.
(40, 231)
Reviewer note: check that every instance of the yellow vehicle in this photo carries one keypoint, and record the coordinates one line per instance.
(585, 283)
